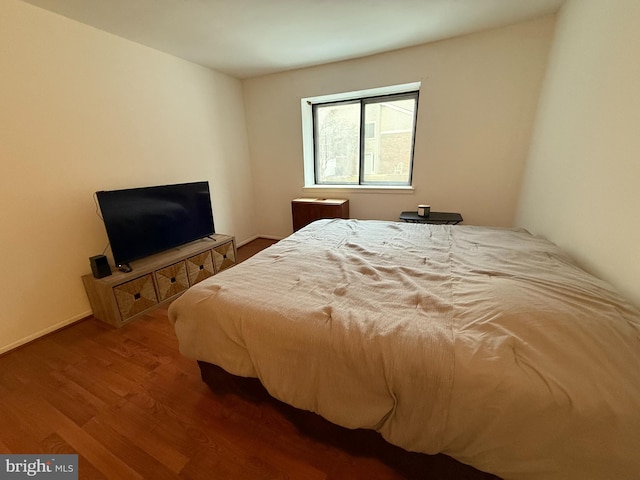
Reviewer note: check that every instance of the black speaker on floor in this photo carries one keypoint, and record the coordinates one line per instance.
(100, 266)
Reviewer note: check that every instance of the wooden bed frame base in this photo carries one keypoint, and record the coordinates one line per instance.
(357, 443)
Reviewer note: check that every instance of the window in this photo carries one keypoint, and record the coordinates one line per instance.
(361, 139)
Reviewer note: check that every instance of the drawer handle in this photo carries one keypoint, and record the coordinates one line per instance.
(173, 279)
(137, 296)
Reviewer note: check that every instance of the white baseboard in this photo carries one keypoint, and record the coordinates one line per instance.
(244, 242)
(251, 239)
(270, 237)
(42, 333)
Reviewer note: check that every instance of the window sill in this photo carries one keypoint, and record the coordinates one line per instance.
(360, 188)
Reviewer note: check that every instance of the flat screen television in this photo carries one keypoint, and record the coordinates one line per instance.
(148, 220)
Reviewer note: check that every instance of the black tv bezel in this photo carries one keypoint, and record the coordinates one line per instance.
(123, 258)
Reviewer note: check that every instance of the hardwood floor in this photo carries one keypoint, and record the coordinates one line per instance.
(132, 407)
(253, 247)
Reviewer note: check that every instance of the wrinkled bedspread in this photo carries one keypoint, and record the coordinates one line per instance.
(487, 344)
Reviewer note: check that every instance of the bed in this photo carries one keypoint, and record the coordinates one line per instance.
(487, 344)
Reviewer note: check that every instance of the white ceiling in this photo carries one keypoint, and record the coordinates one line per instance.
(246, 38)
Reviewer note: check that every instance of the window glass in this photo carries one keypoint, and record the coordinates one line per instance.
(390, 148)
(337, 144)
(365, 141)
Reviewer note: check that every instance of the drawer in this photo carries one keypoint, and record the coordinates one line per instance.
(135, 296)
(224, 256)
(199, 267)
(172, 280)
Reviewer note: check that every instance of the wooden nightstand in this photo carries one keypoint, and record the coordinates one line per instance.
(306, 210)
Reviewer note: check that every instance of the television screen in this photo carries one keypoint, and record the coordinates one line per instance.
(144, 221)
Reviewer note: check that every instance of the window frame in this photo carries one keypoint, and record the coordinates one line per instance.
(376, 95)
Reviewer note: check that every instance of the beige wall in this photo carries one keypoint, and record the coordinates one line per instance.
(80, 111)
(582, 187)
(477, 104)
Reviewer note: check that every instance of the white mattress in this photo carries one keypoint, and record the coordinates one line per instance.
(486, 344)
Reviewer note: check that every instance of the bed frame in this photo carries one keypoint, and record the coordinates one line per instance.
(359, 442)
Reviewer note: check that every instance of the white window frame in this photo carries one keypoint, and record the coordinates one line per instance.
(306, 105)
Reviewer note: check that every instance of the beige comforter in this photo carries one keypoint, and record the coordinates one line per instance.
(486, 344)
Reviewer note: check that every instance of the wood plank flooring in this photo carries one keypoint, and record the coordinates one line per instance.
(132, 407)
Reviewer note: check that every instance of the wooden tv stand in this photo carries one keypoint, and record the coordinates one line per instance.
(157, 279)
